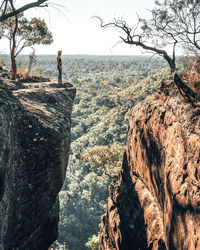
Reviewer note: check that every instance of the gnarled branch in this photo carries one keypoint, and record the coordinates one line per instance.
(134, 37)
(4, 16)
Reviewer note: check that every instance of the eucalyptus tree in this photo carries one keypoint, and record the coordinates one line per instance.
(23, 33)
(179, 19)
(173, 24)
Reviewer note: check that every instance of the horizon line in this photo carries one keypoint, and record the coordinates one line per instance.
(7, 54)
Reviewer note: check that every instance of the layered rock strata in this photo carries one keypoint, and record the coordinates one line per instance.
(35, 120)
(155, 202)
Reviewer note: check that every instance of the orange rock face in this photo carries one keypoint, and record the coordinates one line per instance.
(155, 202)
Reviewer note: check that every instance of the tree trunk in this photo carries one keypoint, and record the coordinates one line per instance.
(14, 67)
(13, 47)
(189, 93)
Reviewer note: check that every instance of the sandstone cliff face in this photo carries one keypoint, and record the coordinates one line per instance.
(34, 142)
(155, 202)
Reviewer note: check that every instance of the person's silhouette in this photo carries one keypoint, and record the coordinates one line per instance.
(59, 66)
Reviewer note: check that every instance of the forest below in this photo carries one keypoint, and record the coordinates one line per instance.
(108, 87)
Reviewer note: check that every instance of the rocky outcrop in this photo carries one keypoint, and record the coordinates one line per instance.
(35, 120)
(155, 202)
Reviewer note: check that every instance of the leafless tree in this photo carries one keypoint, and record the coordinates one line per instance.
(4, 4)
(171, 25)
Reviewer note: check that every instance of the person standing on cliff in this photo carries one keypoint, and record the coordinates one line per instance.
(59, 66)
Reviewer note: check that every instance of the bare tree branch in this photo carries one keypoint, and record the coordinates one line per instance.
(5, 7)
(4, 16)
(135, 39)
(140, 38)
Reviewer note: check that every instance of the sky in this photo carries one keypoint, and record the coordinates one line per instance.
(76, 32)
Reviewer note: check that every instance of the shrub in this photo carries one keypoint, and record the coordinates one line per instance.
(93, 243)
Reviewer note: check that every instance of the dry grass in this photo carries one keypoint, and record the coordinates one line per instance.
(26, 75)
(190, 72)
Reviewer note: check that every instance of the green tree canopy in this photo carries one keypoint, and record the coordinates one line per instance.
(29, 33)
(93, 243)
(110, 158)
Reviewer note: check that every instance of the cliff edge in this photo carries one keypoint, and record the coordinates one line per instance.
(35, 121)
(155, 202)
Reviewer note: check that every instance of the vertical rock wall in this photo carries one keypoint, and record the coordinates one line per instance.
(35, 122)
(155, 202)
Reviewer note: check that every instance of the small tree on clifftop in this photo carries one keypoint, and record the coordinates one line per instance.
(22, 33)
(174, 23)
